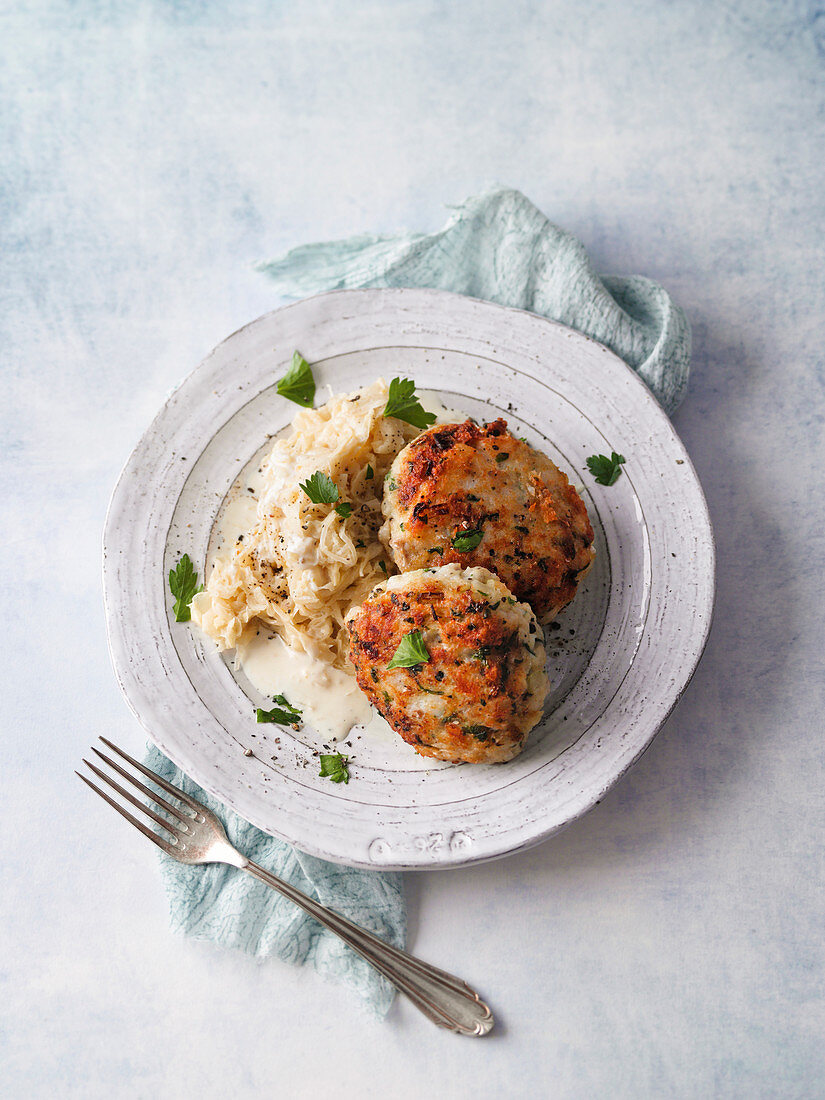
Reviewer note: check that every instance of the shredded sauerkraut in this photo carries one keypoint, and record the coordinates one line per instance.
(302, 566)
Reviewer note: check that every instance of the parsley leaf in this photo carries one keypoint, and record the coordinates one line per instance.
(334, 767)
(183, 581)
(297, 384)
(282, 700)
(320, 488)
(465, 541)
(412, 651)
(404, 405)
(605, 470)
(284, 714)
(383, 565)
(370, 474)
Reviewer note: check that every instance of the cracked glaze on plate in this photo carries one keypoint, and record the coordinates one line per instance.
(619, 657)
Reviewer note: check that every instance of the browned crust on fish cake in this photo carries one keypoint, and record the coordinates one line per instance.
(476, 674)
(455, 478)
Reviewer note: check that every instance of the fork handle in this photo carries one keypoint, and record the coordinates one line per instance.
(446, 1000)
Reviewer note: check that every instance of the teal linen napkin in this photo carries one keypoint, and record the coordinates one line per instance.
(496, 246)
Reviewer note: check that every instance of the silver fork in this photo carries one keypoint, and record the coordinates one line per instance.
(197, 836)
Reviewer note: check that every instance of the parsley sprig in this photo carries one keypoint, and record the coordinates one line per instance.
(298, 384)
(412, 651)
(404, 405)
(605, 470)
(321, 489)
(284, 714)
(334, 767)
(183, 581)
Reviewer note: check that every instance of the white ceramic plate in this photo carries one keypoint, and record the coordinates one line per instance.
(619, 656)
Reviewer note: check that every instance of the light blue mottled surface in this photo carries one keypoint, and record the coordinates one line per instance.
(669, 944)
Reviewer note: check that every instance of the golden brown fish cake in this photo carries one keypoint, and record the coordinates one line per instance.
(477, 495)
(480, 691)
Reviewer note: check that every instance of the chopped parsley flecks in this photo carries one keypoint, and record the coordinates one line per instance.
(426, 690)
(334, 767)
(605, 470)
(284, 714)
(465, 541)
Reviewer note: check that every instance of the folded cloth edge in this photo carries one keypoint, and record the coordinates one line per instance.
(499, 247)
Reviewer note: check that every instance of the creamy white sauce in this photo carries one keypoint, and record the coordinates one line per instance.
(305, 549)
(331, 701)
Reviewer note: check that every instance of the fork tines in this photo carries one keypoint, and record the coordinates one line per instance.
(175, 828)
